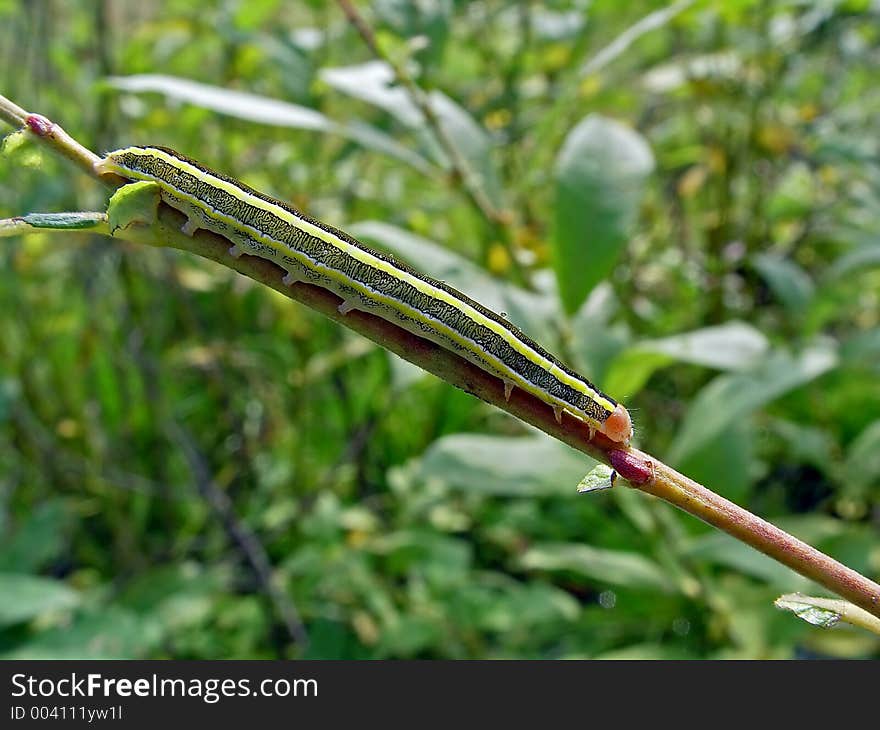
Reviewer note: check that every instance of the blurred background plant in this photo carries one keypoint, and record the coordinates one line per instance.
(683, 200)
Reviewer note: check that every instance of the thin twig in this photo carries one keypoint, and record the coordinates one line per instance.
(242, 537)
(643, 471)
(458, 164)
(56, 138)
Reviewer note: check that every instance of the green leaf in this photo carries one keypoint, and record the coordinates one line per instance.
(733, 346)
(133, 203)
(178, 596)
(794, 196)
(439, 559)
(615, 567)
(863, 457)
(826, 613)
(618, 47)
(806, 444)
(858, 259)
(113, 633)
(10, 390)
(373, 83)
(804, 608)
(23, 597)
(862, 348)
(531, 465)
(373, 139)
(599, 477)
(38, 540)
(595, 337)
(631, 369)
(730, 398)
(645, 652)
(408, 635)
(13, 141)
(600, 176)
(62, 221)
(790, 284)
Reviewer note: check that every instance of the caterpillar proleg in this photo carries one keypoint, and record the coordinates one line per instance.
(368, 280)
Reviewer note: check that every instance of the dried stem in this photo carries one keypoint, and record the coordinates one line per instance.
(643, 471)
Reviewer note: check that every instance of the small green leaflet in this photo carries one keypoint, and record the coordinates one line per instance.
(598, 478)
(64, 220)
(134, 203)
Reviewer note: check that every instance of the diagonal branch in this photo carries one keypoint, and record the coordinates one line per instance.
(643, 471)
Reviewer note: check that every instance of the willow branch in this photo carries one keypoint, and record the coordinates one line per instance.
(641, 470)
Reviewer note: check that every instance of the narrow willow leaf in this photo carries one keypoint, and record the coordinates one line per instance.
(23, 597)
(615, 567)
(863, 458)
(62, 221)
(112, 633)
(652, 21)
(817, 616)
(241, 104)
(827, 612)
(373, 83)
(263, 110)
(599, 477)
(858, 259)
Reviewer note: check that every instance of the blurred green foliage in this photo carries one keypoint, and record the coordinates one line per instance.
(690, 214)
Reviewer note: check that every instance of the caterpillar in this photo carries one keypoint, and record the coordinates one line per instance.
(367, 280)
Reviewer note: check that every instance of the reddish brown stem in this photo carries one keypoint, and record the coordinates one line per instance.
(714, 509)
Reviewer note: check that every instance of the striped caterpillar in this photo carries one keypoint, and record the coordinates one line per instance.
(368, 280)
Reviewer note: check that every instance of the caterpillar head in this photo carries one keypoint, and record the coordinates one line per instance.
(618, 426)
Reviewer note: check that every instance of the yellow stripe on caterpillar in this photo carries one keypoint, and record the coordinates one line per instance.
(371, 281)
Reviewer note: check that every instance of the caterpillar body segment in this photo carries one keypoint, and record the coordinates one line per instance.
(372, 281)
